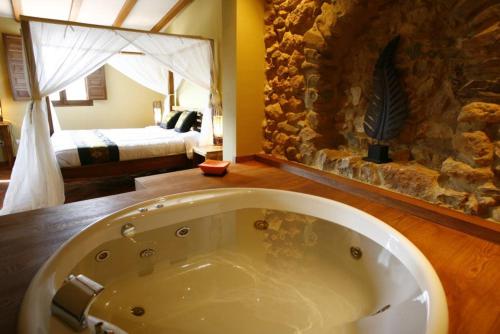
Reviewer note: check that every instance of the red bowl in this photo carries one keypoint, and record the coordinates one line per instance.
(214, 167)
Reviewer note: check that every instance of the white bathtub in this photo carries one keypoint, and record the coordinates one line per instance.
(299, 272)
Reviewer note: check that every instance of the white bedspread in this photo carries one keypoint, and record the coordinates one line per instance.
(136, 143)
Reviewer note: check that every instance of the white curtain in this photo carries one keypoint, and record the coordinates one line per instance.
(36, 180)
(62, 54)
(143, 69)
(188, 57)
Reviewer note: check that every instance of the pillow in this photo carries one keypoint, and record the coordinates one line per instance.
(185, 121)
(170, 120)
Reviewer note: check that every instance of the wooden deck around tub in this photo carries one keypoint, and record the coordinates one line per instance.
(468, 266)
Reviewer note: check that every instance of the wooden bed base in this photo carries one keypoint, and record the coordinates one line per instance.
(129, 167)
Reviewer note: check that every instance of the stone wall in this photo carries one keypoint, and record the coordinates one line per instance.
(320, 57)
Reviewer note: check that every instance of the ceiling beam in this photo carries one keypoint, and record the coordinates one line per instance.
(176, 9)
(123, 14)
(75, 10)
(16, 9)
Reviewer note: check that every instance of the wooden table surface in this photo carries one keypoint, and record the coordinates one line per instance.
(469, 267)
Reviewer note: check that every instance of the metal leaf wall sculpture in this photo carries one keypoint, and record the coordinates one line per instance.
(388, 108)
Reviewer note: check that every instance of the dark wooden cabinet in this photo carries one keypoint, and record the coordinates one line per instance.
(7, 148)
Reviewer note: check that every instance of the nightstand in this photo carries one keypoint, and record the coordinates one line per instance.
(201, 153)
(5, 136)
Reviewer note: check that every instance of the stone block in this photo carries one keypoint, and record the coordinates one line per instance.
(309, 67)
(296, 59)
(368, 173)
(452, 198)
(302, 17)
(297, 83)
(326, 20)
(489, 190)
(308, 134)
(312, 119)
(267, 146)
(411, 179)
(495, 213)
(279, 22)
(287, 128)
(280, 138)
(328, 159)
(312, 55)
(462, 177)
(313, 39)
(295, 105)
(294, 117)
(288, 5)
(291, 42)
(474, 148)
(274, 111)
(270, 37)
(480, 112)
(291, 153)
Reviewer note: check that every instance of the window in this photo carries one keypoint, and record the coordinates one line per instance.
(82, 92)
(74, 95)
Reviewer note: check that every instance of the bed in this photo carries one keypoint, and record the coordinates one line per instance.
(115, 152)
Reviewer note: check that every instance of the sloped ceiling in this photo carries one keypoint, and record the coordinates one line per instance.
(144, 14)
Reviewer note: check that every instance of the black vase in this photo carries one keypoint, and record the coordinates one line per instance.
(378, 154)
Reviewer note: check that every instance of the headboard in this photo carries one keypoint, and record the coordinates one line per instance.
(199, 116)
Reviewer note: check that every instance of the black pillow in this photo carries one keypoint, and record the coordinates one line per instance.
(185, 121)
(170, 120)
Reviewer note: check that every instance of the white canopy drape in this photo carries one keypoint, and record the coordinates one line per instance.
(191, 58)
(146, 71)
(59, 54)
(143, 69)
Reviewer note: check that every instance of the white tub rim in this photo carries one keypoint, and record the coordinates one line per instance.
(424, 273)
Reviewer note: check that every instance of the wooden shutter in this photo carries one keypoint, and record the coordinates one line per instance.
(96, 85)
(17, 71)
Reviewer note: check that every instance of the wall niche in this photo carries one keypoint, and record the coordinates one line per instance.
(320, 57)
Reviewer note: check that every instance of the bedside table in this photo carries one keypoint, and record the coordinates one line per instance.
(201, 153)
(5, 136)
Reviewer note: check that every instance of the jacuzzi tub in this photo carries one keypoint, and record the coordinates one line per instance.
(244, 261)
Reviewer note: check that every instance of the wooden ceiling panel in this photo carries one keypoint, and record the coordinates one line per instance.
(151, 15)
(169, 16)
(74, 10)
(103, 12)
(146, 13)
(16, 8)
(124, 12)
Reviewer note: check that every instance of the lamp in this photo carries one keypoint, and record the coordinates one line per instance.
(218, 131)
(157, 112)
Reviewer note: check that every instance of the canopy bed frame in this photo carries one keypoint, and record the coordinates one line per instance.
(59, 52)
(128, 167)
